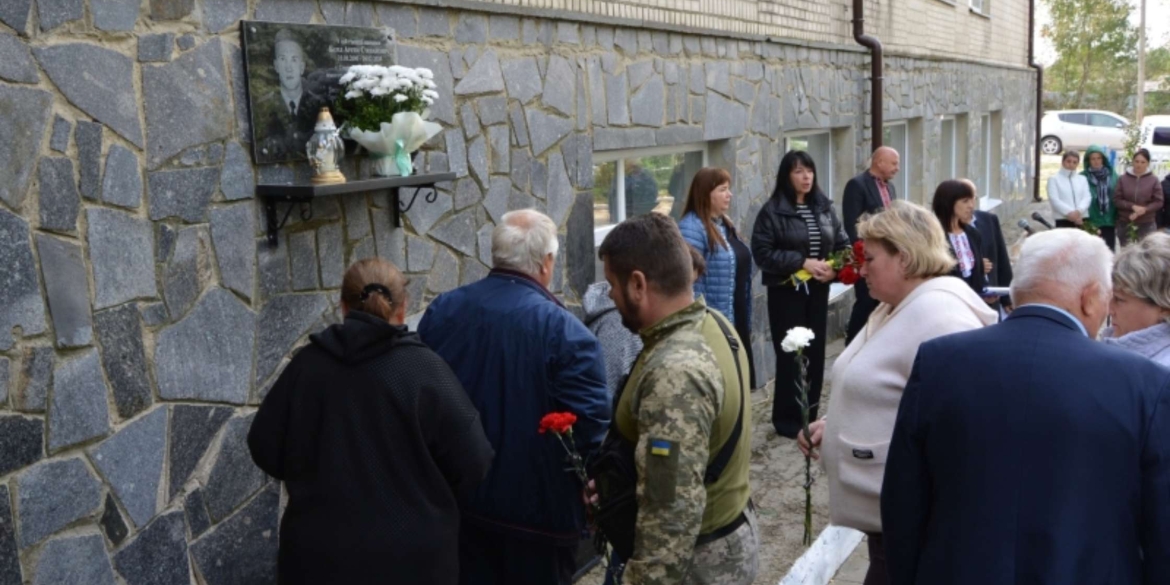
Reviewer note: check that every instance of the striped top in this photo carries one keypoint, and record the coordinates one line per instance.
(814, 230)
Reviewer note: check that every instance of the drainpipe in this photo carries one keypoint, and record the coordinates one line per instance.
(875, 49)
(1039, 97)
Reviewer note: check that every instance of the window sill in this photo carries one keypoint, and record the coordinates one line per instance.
(989, 203)
(949, 2)
(980, 14)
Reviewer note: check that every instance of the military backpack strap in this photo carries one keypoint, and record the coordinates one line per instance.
(715, 469)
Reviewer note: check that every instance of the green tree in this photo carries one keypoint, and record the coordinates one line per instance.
(1096, 52)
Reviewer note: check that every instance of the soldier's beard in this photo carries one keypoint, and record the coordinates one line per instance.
(629, 318)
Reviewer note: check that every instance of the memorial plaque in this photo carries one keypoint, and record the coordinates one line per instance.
(292, 70)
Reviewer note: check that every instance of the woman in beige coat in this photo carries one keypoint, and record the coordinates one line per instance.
(907, 262)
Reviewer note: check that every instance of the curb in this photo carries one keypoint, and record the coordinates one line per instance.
(826, 555)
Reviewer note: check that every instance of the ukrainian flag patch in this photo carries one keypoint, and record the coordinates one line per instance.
(660, 448)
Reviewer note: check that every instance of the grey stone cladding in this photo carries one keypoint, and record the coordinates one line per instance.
(144, 315)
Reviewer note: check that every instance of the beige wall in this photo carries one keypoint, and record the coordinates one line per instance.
(921, 28)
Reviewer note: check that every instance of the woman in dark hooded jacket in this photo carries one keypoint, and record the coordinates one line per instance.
(373, 436)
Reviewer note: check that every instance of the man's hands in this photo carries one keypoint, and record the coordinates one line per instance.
(808, 447)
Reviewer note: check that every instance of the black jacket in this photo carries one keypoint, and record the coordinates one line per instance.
(1164, 213)
(994, 249)
(780, 237)
(978, 280)
(373, 436)
(862, 196)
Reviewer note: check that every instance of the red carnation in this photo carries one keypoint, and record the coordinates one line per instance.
(847, 276)
(557, 422)
(859, 252)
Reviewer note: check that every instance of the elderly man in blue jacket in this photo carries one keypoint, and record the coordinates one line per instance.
(1053, 466)
(521, 355)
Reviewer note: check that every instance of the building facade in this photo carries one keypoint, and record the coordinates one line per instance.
(143, 313)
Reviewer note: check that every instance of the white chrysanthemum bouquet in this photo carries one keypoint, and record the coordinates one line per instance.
(385, 110)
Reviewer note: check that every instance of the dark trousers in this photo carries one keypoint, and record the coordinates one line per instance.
(1109, 234)
(788, 308)
(877, 574)
(1064, 223)
(492, 558)
(863, 305)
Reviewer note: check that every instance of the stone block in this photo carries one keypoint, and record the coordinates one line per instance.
(579, 251)
(74, 560)
(521, 170)
(467, 193)
(122, 180)
(678, 134)
(545, 130)
(522, 78)
(243, 548)
(389, 241)
(100, 82)
(638, 72)
(54, 13)
(493, 109)
(302, 249)
(197, 519)
(422, 215)
(470, 120)
(161, 10)
(567, 33)
(597, 92)
(59, 200)
(79, 410)
(398, 17)
(67, 286)
(560, 88)
(420, 254)
(484, 235)
(184, 102)
(359, 14)
(192, 430)
(15, 14)
(158, 555)
(156, 48)
(433, 22)
(186, 42)
(112, 523)
(745, 92)
(184, 349)
(20, 295)
(62, 128)
(496, 202)
(119, 332)
(471, 28)
(89, 158)
(484, 77)
(296, 11)
(539, 173)
(7, 377)
(10, 573)
(519, 125)
(498, 140)
(187, 271)
(457, 232)
(24, 122)
(234, 477)
(472, 271)
(132, 463)
(182, 193)
(619, 138)
(53, 495)
(560, 190)
(21, 440)
(282, 321)
(444, 276)
(232, 229)
(331, 255)
(239, 96)
(32, 392)
(237, 181)
(626, 39)
(333, 11)
(114, 15)
(646, 105)
(444, 109)
(477, 159)
(718, 77)
(724, 118)
(503, 27)
(357, 218)
(616, 94)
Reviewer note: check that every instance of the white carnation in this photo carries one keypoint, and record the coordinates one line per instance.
(400, 98)
(353, 94)
(425, 73)
(797, 339)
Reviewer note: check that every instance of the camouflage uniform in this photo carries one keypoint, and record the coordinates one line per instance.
(672, 403)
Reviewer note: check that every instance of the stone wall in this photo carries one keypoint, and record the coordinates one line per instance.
(143, 315)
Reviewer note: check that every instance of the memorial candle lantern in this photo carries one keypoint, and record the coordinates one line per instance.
(325, 150)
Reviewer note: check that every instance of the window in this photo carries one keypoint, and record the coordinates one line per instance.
(897, 137)
(948, 151)
(1161, 136)
(1075, 118)
(983, 181)
(633, 182)
(979, 6)
(819, 145)
(1105, 121)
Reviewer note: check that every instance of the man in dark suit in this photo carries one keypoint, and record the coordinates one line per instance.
(997, 263)
(869, 192)
(1053, 466)
(289, 111)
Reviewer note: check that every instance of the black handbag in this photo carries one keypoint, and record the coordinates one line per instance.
(616, 476)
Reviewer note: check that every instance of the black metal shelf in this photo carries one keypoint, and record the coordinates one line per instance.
(304, 196)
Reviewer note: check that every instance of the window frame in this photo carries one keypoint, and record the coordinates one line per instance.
(985, 137)
(1061, 117)
(902, 179)
(619, 157)
(951, 165)
(822, 172)
(982, 9)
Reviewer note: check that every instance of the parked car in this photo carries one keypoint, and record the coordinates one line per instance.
(1156, 138)
(1063, 130)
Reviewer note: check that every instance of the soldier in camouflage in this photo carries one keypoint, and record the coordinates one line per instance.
(679, 407)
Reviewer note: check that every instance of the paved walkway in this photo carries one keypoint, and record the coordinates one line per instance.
(853, 571)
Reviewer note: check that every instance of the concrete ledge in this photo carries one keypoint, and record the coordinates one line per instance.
(820, 562)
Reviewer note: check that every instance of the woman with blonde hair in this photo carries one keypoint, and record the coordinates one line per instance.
(727, 284)
(907, 267)
(1140, 309)
(373, 437)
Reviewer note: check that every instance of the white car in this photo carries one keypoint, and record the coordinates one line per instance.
(1156, 138)
(1063, 130)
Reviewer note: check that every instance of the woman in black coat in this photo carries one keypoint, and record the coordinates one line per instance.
(797, 229)
(373, 436)
(954, 204)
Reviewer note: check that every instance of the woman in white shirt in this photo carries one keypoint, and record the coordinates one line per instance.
(1068, 192)
(907, 266)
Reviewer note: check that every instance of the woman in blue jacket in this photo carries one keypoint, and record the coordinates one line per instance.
(727, 284)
